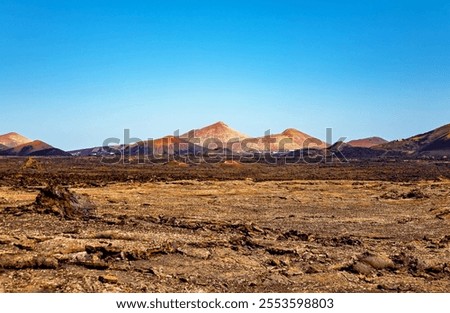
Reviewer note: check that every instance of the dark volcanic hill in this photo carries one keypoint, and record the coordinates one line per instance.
(34, 148)
(435, 142)
(346, 151)
(168, 145)
(367, 142)
(95, 151)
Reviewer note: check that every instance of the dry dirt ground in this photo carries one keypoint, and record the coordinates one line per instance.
(228, 228)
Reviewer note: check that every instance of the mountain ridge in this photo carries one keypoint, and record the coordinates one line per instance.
(28, 147)
(434, 141)
(222, 137)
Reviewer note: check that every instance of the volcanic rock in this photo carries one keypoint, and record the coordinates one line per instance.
(62, 202)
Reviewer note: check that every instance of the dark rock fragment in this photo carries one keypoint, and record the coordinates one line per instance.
(62, 202)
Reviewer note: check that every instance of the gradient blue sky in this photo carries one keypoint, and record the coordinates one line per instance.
(73, 73)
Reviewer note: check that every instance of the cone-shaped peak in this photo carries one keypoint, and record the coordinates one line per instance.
(13, 139)
(292, 132)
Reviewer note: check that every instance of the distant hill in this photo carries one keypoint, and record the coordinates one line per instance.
(168, 145)
(162, 146)
(367, 142)
(347, 151)
(289, 140)
(11, 140)
(218, 135)
(434, 142)
(214, 138)
(95, 151)
(34, 148)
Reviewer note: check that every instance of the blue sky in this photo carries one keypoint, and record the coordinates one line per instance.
(74, 73)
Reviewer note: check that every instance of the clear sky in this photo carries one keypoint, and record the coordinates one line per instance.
(73, 73)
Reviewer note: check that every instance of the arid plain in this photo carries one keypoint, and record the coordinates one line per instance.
(228, 227)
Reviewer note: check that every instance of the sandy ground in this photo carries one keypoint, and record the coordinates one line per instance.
(238, 235)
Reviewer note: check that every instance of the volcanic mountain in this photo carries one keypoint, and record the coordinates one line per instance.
(168, 145)
(163, 146)
(216, 136)
(434, 142)
(34, 148)
(220, 137)
(367, 142)
(10, 140)
(290, 139)
(346, 151)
